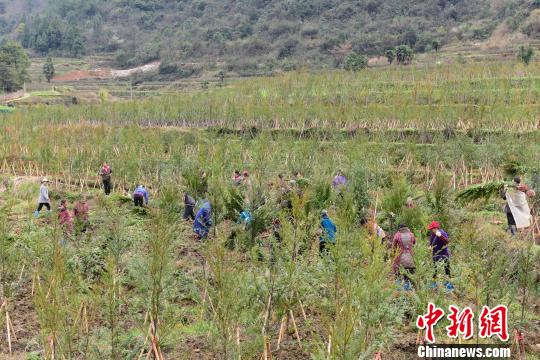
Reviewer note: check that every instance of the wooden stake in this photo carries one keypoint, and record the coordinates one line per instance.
(295, 329)
(329, 348)
(238, 340)
(8, 332)
(11, 326)
(22, 270)
(281, 330)
(419, 337)
(302, 308)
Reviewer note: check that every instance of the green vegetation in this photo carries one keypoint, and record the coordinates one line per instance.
(6, 109)
(253, 35)
(45, 34)
(355, 62)
(48, 69)
(497, 96)
(14, 64)
(137, 284)
(404, 54)
(525, 54)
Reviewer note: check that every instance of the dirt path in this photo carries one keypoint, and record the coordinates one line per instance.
(106, 73)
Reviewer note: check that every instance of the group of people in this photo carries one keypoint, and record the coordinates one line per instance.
(66, 219)
(402, 243)
(516, 209)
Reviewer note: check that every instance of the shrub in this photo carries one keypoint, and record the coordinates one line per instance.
(525, 54)
(355, 62)
(404, 54)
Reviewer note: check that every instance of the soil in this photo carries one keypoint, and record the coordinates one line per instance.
(105, 73)
(25, 323)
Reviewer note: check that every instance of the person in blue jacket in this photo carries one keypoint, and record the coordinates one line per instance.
(203, 220)
(328, 232)
(139, 195)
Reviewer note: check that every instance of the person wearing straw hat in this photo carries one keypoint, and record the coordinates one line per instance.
(44, 200)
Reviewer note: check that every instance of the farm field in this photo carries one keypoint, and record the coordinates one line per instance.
(494, 96)
(139, 284)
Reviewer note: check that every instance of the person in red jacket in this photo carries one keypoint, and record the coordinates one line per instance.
(64, 218)
(80, 214)
(105, 173)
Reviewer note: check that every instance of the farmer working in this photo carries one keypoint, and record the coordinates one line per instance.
(237, 177)
(189, 207)
(80, 213)
(339, 180)
(404, 263)
(517, 209)
(438, 240)
(139, 195)
(64, 218)
(327, 232)
(203, 220)
(43, 197)
(106, 178)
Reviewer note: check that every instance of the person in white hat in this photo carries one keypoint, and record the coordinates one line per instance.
(43, 197)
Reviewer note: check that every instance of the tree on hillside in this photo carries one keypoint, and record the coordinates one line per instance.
(14, 64)
(525, 54)
(390, 55)
(355, 62)
(404, 54)
(48, 69)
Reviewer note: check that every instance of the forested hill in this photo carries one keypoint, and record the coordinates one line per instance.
(248, 32)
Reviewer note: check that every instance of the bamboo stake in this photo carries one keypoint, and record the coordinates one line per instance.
(11, 326)
(281, 330)
(238, 340)
(329, 347)
(296, 329)
(8, 333)
(22, 270)
(302, 309)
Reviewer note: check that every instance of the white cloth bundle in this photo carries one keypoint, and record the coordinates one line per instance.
(517, 202)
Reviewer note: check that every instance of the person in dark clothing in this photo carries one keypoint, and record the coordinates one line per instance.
(438, 240)
(189, 207)
(106, 178)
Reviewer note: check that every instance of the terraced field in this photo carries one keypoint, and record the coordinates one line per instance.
(139, 284)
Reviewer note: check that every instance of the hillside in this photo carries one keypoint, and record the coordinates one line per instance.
(246, 35)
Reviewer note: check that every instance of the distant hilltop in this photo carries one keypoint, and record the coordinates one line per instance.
(249, 35)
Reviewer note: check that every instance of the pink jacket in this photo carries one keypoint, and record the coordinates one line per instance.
(64, 218)
(80, 211)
